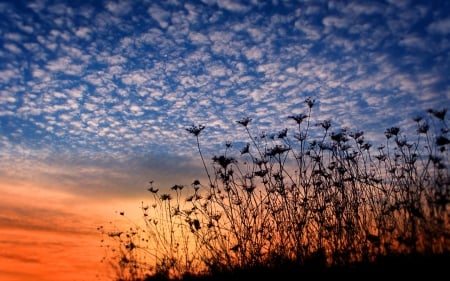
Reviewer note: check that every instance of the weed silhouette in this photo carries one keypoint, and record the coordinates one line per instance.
(307, 198)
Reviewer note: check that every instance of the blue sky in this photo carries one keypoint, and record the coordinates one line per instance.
(95, 96)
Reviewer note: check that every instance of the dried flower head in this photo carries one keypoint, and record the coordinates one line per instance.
(393, 131)
(195, 130)
(244, 121)
(298, 118)
(310, 102)
(165, 197)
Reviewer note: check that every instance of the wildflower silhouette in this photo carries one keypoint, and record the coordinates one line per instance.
(299, 199)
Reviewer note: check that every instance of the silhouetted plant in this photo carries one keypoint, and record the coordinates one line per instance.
(319, 194)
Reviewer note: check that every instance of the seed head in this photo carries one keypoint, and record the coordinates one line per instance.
(244, 121)
(195, 130)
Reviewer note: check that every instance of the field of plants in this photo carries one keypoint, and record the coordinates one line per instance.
(307, 199)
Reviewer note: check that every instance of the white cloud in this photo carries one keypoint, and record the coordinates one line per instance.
(134, 78)
(12, 48)
(13, 36)
(90, 106)
(334, 21)
(363, 8)
(119, 7)
(83, 32)
(233, 6)
(159, 15)
(198, 38)
(440, 26)
(254, 53)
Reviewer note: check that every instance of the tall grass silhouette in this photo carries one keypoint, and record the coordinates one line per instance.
(307, 196)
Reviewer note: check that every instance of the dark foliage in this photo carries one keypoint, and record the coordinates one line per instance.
(304, 202)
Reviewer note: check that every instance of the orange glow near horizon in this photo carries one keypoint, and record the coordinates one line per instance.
(49, 235)
(36, 255)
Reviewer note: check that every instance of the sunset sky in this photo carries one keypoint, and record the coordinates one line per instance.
(95, 97)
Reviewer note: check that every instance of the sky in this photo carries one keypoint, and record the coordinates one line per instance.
(95, 97)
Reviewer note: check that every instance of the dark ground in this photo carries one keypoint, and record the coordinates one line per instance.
(408, 267)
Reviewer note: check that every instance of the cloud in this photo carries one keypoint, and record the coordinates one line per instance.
(233, 6)
(333, 21)
(121, 79)
(160, 15)
(440, 26)
(119, 7)
(21, 258)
